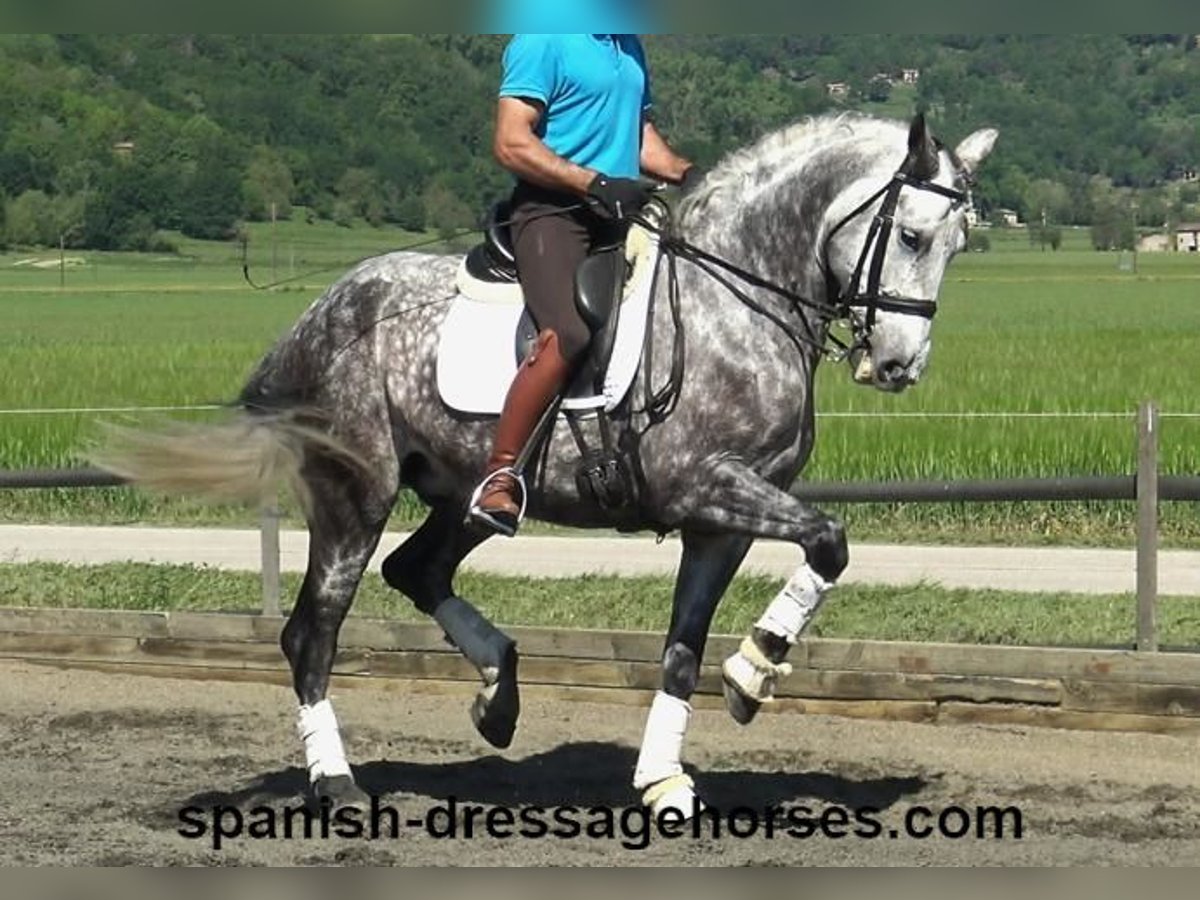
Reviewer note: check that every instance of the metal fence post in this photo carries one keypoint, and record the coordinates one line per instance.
(269, 542)
(1147, 527)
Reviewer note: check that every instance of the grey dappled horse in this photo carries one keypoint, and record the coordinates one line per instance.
(346, 403)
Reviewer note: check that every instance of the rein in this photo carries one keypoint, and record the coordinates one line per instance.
(871, 259)
(715, 267)
(659, 403)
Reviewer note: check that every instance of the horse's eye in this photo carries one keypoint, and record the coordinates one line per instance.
(910, 239)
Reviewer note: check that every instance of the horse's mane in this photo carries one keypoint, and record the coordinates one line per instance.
(781, 151)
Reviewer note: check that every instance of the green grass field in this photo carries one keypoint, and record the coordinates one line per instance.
(916, 613)
(1020, 331)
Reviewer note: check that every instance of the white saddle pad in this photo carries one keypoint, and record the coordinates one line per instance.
(476, 358)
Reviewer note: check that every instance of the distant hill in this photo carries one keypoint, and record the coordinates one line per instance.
(111, 138)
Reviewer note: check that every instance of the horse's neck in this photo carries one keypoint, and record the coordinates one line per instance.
(777, 238)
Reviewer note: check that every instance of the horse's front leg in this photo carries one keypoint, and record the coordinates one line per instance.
(750, 675)
(708, 564)
(738, 500)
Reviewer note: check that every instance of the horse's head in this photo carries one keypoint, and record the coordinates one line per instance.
(887, 250)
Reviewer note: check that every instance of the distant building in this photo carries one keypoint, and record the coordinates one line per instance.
(910, 76)
(1189, 174)
(883, 76)
(1153, 243)
(124, 148)
(1187, 237)
(837, 89)
(1008, 218)
(973, 219)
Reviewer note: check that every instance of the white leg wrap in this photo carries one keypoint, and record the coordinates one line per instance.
(752, 673)
(786, 616)
(794, 607)
(323, 751)
(659, 773)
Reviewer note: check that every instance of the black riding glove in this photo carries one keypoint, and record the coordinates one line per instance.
(617, 198)
(691, 179)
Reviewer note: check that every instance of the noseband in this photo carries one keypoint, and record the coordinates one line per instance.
(874, 253)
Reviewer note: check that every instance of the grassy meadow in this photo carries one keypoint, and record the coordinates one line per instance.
(120, 330)
(1026, 332)
(1020, 331)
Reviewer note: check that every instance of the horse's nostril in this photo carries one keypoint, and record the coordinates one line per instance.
(892, 371)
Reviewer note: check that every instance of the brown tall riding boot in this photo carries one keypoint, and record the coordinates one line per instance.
(539, 380)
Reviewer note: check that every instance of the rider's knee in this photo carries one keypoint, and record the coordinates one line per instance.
(827, 551)
(573, 342)
(681, 671)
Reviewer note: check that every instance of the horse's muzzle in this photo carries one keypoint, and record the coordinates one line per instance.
(892, 376)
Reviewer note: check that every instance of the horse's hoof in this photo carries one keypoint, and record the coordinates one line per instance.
(339, 791)
(742, 708)
(498, 704)
(676, 794)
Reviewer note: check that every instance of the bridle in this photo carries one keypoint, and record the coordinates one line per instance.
(874, 253)
(855, 296)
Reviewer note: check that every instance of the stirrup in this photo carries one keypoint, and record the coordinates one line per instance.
(480, 516)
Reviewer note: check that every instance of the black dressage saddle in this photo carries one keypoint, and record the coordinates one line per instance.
(599, 284)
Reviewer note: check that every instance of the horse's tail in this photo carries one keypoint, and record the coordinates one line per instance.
(242, 460)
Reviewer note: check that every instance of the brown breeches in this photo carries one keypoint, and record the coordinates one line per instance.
(549, 245)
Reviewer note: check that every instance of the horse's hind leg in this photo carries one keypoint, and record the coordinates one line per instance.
(708, 565)
(423, 568)
(346, 519)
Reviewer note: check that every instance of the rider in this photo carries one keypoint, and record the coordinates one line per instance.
(572, 127)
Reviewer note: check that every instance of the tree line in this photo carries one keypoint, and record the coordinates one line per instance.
(107, 141)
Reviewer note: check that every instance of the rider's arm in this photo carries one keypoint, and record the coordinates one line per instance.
(658, 160)
(518, 149)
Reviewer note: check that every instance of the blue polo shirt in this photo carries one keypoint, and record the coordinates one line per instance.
(594, 88)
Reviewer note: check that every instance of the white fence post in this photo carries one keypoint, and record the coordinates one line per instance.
(1147, 527)
(269, 542)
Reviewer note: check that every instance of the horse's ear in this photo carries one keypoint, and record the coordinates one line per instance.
(922, 151)
(975, 148)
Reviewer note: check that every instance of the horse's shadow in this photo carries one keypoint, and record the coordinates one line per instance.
(580, 774)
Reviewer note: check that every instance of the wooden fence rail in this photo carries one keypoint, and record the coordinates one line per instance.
(1073, 688)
